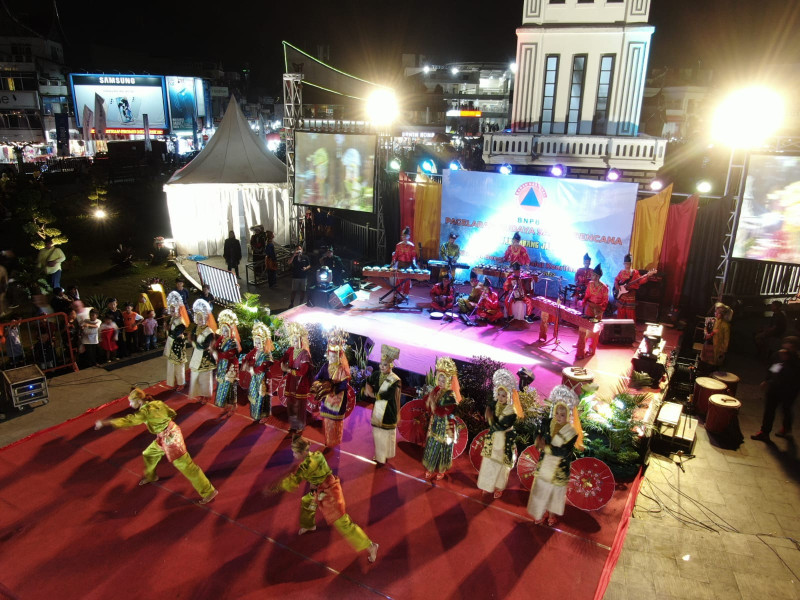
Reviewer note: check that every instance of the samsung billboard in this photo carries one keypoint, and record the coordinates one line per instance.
(126, 99)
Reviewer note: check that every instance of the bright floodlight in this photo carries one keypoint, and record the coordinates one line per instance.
(704, 186)
(505, 169)
(428, 166)
(513, 67)
(748, 117)
(454, 70)
(382, 106)
(557, 170)
(273, 145)
(613, 175)
(394, 164)
(100, 214)
(426, 69)
(656, 185)
(455, 166)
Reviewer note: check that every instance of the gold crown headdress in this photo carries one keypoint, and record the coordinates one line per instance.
(337, 339)
(228, 317)
(389, 353)
(262, 330)
(446, 365)
(295, 330)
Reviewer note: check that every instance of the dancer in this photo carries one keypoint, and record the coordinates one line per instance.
(258, 362)
(296, 364)
(518, 305)
(403, 257)
(499, 447)
(516, 252)
(227, 348)
(442, 294)
(202, 363)
(441, 402)
(556, 439)
(326, 493)
(330, 386)
(595, 301)
(489, 309)
(158, 418)
(385, 386)
(175, 348)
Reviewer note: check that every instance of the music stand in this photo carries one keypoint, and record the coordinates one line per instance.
(554, 340)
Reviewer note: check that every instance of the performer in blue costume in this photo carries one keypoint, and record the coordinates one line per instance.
(227, 349)
(258, 362)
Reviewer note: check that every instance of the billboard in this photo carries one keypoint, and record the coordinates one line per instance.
(559, 220)
(335, 170)
(769, 223)
(125, 98)
(182, 105)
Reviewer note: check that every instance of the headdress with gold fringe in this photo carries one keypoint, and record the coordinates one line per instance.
(503, 379)
(445, 364)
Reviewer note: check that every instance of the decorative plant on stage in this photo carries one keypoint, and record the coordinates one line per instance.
(249, 310)
(475, 380)
(535, 408)
(358, 357)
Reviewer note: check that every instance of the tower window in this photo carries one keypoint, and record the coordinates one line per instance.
(549, 96)
(576, 93)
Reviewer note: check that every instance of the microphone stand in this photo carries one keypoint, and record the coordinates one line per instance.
(554, 339)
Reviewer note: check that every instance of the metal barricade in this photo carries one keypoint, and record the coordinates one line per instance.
(223, 284)
(44, 341)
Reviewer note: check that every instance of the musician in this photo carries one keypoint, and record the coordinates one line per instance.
(489, 308)
(595, 302)
(450, 251)
(443, 294)
(467, 304)
(518, 305)
(404, 257)
(516, 252)
(583, 276)
(626, 303)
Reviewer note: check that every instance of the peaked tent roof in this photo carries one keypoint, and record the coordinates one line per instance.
(233, 155)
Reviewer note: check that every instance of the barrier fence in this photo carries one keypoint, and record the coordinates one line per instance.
(223, 284)
(45, 341)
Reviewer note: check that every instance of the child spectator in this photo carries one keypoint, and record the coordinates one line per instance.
(43, 352)
(90, 338)
(149, 326)
(109, 334)
(130, 319)
(207, 295)
(112, 308)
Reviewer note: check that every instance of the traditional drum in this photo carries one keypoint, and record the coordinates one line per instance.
(704, 387)
(730, 380)
(722, 409)
(575, 378)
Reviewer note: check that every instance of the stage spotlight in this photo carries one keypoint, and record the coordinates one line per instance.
(613, 175)
(426, 69)
(394, 165)
(704, 186)
(428, 166)
(557, 170)
(100, 214)
(324, 277)
(505, 169)
(513, 67)
(382, 106)
(454, 70)
(656, 185)
(456, 166)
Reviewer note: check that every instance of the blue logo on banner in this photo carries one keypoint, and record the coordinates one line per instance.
(530, 199)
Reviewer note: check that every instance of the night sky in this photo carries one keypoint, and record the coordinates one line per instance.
(366, 37)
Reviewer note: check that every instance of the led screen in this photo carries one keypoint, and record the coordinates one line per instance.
(126, 98)
(181, 91)
(769, 224)
(335, 170)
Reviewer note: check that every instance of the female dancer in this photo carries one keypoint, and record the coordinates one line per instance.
(384, 386)
(257, 363)
(227, 348)
(499, 448)
(202, 363)
(441, 402)
(326, 493)
(330, 385)
(175, 348)
(158, 418)
(296, 364)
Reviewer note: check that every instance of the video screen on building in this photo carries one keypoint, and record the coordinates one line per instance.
(769, 224)
(182, 103)
(125, 99)
(334, 170)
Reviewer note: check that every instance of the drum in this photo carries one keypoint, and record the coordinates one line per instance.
(704, 387)
(722, 410)
(526, 282)
(437, 315)
(730, 380)
(575, 378)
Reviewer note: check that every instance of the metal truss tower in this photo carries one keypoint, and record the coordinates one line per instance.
(292, 120)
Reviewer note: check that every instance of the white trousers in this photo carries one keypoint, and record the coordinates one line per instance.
(385, 443)
(201, 384)
(176, 374)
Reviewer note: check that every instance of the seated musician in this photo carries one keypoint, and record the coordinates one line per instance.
(443, 294)
(517, 252)
(467, 304)
(518, 287)
(489, 308)
(404, 257)
(582, 277)
(595, 302)
(450, 251)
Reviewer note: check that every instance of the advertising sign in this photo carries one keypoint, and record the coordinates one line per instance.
(19, 99)
(218, 91)
(182, 110)
(125, 99)
(558, 219)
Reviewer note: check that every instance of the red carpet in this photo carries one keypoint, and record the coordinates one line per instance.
(76, 525)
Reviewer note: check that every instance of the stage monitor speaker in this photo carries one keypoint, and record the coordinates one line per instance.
(341, 296)
(647, 311)
(618, 331)
(25, 385)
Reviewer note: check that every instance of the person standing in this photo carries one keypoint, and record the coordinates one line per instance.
(450, 251)
(130, 319)
(271, 260)
(184, 293)
(300, 265)
(595, 301)
(331, 387)
(169, 442)
(227, 348)
(50, 258)
(149, 327)
(384, 385)
(631, 281)
(90, 337)
(717, 339)
(258, 362)
(782, 386)
(202, 363)
(582, 277)
(232, 253)
(516, 252)
(175, 346)
(441, 403)
(404, 257)
(296, 366)
(109, 334)
(205, 294)
(258, 242)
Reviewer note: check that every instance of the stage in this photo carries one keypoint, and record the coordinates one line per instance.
(76, 525)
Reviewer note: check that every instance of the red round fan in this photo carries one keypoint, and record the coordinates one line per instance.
(279, 386)
(591, 484)
(526, 466)
(475, 449)
(462, 437)
(413, 423)
(351, 400)
(244, 379)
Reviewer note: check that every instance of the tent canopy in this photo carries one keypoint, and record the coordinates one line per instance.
(233, 155)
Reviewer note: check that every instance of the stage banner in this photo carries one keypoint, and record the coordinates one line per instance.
(99, 118)
(559, 220)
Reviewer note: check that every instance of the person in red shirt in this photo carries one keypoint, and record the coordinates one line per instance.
(442, 294)
(582, 277)
(595, 302)
(518, 304)
(626, 303)
(489, 304)
(130, 319)
(404, 257)
(517, 252)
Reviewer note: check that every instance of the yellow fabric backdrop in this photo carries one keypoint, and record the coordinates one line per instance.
(649, 222)
(427, 218)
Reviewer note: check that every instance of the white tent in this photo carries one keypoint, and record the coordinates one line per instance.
(232, 185)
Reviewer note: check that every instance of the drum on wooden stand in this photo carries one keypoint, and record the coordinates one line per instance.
(730, 380)
(722, 410)
(575, 378)
(704, 388)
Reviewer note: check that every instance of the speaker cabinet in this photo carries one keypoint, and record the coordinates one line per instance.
(618, 331)
(341, 296)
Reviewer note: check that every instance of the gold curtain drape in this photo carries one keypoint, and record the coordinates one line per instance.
(649, 222)
(427, 217)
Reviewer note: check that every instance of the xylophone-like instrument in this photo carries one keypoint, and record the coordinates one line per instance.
(503, 271)
(550, 312)
(389, 273)
(443, 264)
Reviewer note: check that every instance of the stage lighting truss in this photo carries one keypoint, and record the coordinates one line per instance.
(613, 175)
(505, 169)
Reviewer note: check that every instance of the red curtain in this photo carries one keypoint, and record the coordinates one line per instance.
(675, 248)
(408, 190)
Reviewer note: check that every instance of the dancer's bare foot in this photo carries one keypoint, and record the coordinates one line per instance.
(439, 476)
(497, 494)
(306, 530)
(145, 480)
(428, 475)
(209, 498)
(372, 552)
(179, 388)
(552, 520)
